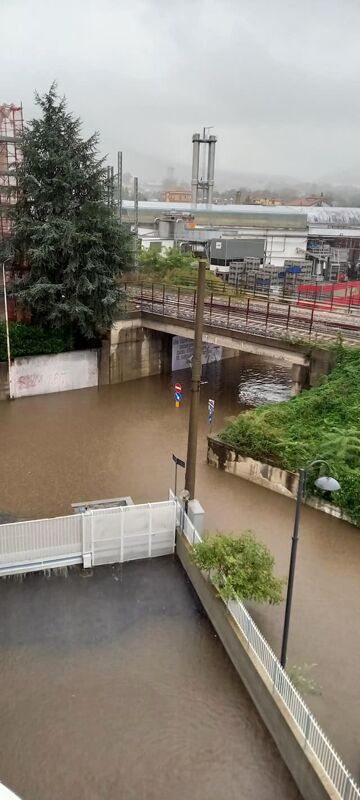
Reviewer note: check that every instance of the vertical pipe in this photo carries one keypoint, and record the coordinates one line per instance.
(195, 168)
(195, 383)
(211, 168)
(119, 184)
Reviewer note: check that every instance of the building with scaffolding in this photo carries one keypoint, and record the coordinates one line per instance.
(11, 128)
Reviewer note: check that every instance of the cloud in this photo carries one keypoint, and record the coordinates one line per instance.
(279, 81)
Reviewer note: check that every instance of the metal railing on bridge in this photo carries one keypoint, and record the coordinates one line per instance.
(312, 736)
(273, 318)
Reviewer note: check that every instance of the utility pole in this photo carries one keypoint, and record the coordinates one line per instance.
(111, 187)
(119, 186)
(195, 382)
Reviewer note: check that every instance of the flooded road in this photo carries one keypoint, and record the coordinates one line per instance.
(118, 441)
(116, 686)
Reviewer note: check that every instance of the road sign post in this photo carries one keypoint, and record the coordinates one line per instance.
(211, 412)
(178, 463)
(178, 394)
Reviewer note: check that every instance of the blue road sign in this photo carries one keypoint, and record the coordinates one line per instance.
(178, 397)
(211, 410)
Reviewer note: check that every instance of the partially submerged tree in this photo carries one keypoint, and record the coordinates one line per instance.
(239, 567)
(70, 246)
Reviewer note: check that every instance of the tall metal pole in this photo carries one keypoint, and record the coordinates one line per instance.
(136, 218)
(195, 169)
(112, 187)
(108, 176)
(195, 382)
(119, 184)
(7, 328)
(294, 544)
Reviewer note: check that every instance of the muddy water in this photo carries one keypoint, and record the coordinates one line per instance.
(115, 686)
(119, 440)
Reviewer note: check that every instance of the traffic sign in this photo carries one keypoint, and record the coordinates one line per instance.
(178, 387)
(178, 397)
(211, 410)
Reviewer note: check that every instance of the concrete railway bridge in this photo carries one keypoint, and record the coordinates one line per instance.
(141, 343)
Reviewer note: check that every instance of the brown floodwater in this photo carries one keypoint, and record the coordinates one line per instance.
(116, 686)
(118, 440)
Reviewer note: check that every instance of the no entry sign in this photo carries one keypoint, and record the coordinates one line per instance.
(178, 387)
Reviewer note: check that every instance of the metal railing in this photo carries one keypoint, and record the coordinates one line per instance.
(312, 737)
(273, 318)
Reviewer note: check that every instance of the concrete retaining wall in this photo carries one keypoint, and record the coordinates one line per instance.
(303, 766)
(267, 475)
(54, 373)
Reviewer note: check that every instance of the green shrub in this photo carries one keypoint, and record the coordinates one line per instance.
(29, 340)
(320, 423)
(240, 567)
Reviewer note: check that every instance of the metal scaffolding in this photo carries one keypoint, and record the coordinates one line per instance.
(11, 128)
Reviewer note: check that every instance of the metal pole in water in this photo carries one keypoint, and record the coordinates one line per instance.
(195, 382)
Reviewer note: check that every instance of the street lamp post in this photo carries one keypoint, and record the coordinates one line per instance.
(326, 484)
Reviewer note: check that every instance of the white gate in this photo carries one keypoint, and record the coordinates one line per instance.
(130, 532)
(101, 536)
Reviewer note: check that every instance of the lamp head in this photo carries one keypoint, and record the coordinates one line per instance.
(327, 484)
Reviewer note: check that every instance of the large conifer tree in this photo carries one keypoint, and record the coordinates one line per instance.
(68, 242)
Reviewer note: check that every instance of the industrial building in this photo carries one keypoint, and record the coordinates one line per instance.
(279, 236)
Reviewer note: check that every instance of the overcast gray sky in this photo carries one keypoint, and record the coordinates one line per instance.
(278, 79)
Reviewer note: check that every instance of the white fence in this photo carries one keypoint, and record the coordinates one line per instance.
(103, 536)
(308, 728)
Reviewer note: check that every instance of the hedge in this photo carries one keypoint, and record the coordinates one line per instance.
(320, 423)
(29, 340)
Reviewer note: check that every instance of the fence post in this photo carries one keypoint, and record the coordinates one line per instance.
(346, 794)
(228, 313)
(350, 297)
(247, 311)
(150, 529)
(248, 626)
(211, 303)
(311, 320)
(267, 315)
(288, 317)
(141, 294)
(163, 300)
(276, 667)
(307, 729)
(152, 297)
(178, 301)
(194, 304)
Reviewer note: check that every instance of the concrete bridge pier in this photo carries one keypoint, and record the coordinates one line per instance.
(304, 376)
(131, 351)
